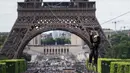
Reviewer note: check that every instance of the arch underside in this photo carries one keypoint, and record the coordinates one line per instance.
(20, 37)
(28, 26)
(39, 30)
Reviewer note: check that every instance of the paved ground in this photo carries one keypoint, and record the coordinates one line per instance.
(46, 67)
(56, 64)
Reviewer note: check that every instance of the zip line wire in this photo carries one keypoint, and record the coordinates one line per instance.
(101, 23)
(115, 17)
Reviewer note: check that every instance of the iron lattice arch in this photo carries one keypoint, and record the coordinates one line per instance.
(36, 17)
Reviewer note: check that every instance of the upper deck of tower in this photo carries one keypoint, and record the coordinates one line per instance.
(41, 5)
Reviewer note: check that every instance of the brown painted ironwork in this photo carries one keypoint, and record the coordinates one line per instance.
(36, 17)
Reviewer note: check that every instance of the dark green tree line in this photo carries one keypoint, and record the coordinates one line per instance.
(48, 41)
(2, 39)
(57, 41)
(120, 46)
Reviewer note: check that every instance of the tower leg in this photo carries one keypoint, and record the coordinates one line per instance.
(13, 41)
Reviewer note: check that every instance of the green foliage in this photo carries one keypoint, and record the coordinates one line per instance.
(2, 39)
(62, 41)
(67, 41)
(3, 57)
(2, 68)
(104, 61)
(105, 65)
(58, 41)
(48, 41)
(120, 46)
(99, 64)
(91, 67)
(26, 56)
(13, 66)
(120, 67)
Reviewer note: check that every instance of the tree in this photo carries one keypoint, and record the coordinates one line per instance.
(2, 39)
(48, 41)
(67, 41)
(58, 41)
(120, 46)
(62, 41)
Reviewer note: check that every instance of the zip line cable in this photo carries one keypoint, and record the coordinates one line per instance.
(115, 17)
(80, 20)
(55, 4)
(71, 23)
(61, 19)
(53, 13)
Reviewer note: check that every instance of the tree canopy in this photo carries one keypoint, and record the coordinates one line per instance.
(2, 39)
(57, 41)
(48, 41)
(120, 46)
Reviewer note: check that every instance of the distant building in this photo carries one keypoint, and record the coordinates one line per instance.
(65, 35)
(55, 34)
(45, 36)
(108, 32)
(76, 46)
(61, 34)
(56, 49)
(129, 33)
(36, 40)
(125, 32)
(4, 33)
(75, 40)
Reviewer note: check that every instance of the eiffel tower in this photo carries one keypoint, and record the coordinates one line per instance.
(36, 17)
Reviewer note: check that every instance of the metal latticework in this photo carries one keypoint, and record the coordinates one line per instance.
(36, 17)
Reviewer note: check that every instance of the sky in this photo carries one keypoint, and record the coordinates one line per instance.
(106, 10)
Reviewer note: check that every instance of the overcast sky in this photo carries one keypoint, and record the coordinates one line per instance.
(106, 9)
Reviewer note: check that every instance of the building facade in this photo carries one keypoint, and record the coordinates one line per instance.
(109, 32)
(75, 40)
(57, 49)
(35, 41)
(61, 34)
(76, 46)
